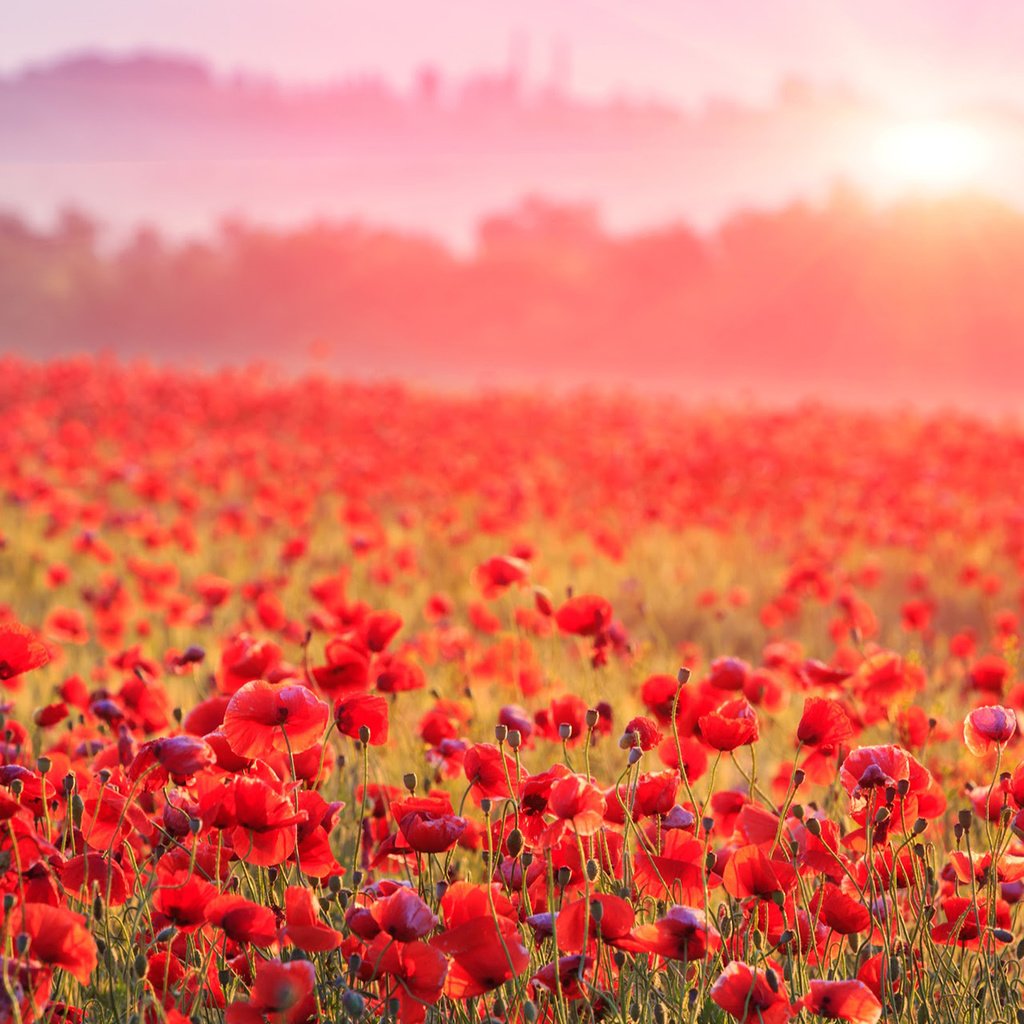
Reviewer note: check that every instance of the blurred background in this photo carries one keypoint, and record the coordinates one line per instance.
(769, 201)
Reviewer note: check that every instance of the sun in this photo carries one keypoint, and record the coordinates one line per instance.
(933, 154)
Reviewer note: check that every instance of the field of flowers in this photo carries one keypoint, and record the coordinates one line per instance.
(339, 702)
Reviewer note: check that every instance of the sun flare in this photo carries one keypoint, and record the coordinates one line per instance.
(932, 154)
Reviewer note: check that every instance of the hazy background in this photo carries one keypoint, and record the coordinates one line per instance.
(782, 200)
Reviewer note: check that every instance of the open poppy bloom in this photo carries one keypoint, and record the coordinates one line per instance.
(682, 934)
(850, 1001)
(262, 717)
(988, 727)
(303, 924)
(485, 953)
(733, 725)
(584, 615)
(281, 993)
(752, 996)
(824, 724)
(357, 711)
(57, 937)
(20, 651)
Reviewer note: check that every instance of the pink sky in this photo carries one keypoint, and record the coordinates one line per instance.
(918, 54)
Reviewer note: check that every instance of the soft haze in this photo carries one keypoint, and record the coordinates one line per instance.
(919, 53)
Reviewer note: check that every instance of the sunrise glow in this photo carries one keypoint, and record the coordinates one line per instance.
(933, 154)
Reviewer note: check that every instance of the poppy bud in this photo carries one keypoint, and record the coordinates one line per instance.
(635, 753)
(903, 787)
(785, 938)
(224, 975)
(530, 1011)
(772, 978)
(895, 968)
(527, 859)
(814, 826)
(364, 734)
(485, 805)
(103, 775)
(166, 934)
(797, 811)
(515, 738)
(22, 942)
(619, 958)
(17, 786)
(334, 883)
(355, 961)
(958, 832)
(8, 902)
(592, 870)
(592, 718)
(178, 715)
(565, 731)
(563, 876)
(139, 965)
(778, 897)
(409, 780)
(44, 764)
(882, 815)
(683, 676)
(68, 783)
(964, 817)
(890, 794)
(1002, 934)
(97, 907)
(596, 910)
(919, 826)
(798, 777)
(515, 843)
(501, 732)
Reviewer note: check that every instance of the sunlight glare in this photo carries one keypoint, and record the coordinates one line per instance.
(933, 154)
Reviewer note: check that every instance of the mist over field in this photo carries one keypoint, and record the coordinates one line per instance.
(510, 512)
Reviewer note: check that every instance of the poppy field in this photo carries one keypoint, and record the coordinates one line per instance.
(335, 701)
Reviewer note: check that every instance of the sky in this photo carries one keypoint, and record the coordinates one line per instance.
(921, 55)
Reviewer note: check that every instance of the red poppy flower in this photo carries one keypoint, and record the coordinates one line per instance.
(682, 934)
(347, 668)
(262, 717)
(20, 651)
(987, 727)
(403, 915)
(182, 898)
(824, 724)
(752, 996)
(579, 803)
(641, 732)
(580, 924)
(411, 972)
(750, 872)
(89, 869)
(428, 823)
(566, 975)
(485, 953)
(733, 725)
(57, 938)
(850, 1001)
(500, 572)
(379, 628)
(242, 921)
(728, 673)
(584, 615)
(489, 771)
(353, 712)
(303, 925)
(281, 993)
(841, 912)
(263, 830)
